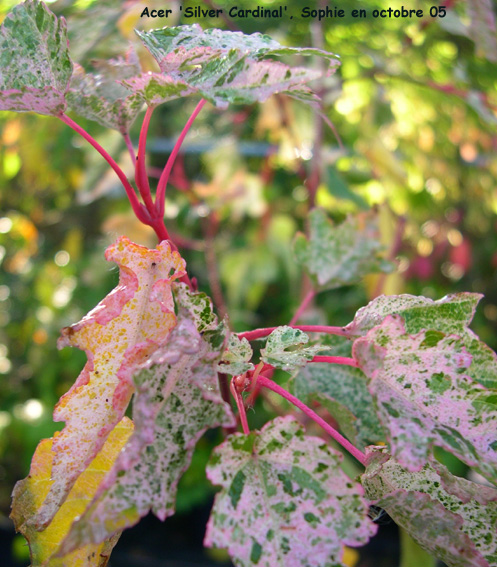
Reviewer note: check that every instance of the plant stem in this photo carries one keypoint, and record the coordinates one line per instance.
(141, 177)
(160, 197)
(260, 333)
(354, 451)
(241, 408)
(140, 211)
(345, 360)
(130, 147)
(303, 306)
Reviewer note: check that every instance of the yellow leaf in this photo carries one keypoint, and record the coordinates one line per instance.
(31, 492)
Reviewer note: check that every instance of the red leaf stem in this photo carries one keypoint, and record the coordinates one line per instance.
(161, 187)
(140, 211)
(241, 407)
(141, 177)
(131, 149)
(260, 333)
(354, 451)
(345, 360)
(303, 306)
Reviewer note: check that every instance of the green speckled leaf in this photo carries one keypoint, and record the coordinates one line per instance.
(453, 518)
(285, 349)
(236, 359)
(226, 67)
(34, 60)
(425, 397)
(177, 398)
(99, 96)
(337, 255)
(451, 314)
(285, 502)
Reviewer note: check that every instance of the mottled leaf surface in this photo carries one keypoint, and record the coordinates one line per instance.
(155, 89)
(35, 68)
(452, 314)
(337, 255)
(177, 398)
(30, 493)
(236, 358)
(101, 97)
(226, 67)
(285, 502)
(425, 397)
(453, 518)
(123, 329)
(285, 349)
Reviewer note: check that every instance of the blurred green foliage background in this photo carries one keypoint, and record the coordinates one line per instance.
(415, 106)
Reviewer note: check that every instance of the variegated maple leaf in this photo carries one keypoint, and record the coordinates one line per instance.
(451, 517)
(285, 502)
(177, 398)
(122, 331)
(425, 397)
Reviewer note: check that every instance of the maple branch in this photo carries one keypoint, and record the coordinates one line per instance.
(240, 406)
(160, 198)
(352, 449)
(139, 210)
(141, 178)
(345, 360)
(260, 333)
(303, 306)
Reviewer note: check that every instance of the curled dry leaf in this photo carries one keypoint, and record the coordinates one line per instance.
(177, 398)
(123, 329)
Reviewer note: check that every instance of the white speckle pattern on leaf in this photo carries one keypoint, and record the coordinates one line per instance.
(277, 353)
(120, 332)
(285, 502)
(34, 60)
(425, 397)
(453, 518)
(451, 314)
(340, 255)
(236, 358)
(177, 398)
(223, 67)
(99, 96)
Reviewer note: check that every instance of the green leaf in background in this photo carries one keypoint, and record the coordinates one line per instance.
(451, 517)
(340, 255)
(343, 391)
(100, 96)
(285, 349)
(451, 314)
(34, 59)
(224, 67)
(285, 500)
